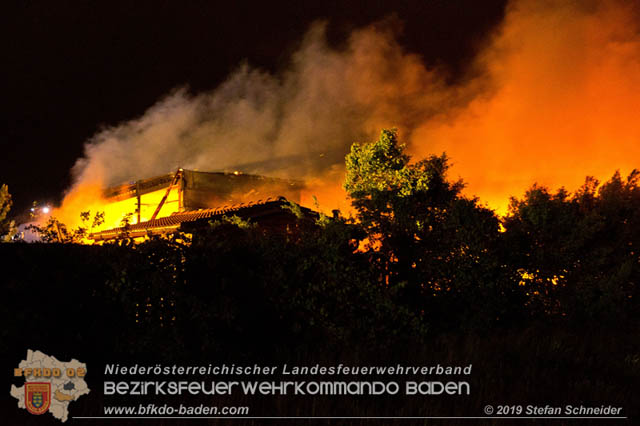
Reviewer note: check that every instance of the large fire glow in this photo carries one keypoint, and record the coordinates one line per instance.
(89, 198)
(552, 96)
(564, 102)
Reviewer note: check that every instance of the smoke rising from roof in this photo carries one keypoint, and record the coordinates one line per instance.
(294, 124)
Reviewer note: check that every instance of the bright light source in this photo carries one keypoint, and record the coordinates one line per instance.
(45, 210)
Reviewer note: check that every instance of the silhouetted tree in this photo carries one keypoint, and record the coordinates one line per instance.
(7, 226)
(424, 236)
(577, 255)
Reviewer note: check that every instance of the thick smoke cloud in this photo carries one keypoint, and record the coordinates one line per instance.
(554, 97)
(295, 124)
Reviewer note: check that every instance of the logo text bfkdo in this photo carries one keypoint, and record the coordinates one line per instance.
(49, 372)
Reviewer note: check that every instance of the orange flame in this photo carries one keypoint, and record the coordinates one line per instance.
(88, 197)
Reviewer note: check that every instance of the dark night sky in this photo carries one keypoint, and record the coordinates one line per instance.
(70, 68)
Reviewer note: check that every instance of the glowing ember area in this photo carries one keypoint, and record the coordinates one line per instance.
(125, 210)
(116, 213)
(85, 197)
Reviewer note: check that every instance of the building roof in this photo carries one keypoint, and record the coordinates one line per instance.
(256, 211)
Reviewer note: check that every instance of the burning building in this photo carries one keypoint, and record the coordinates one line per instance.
(163, 204)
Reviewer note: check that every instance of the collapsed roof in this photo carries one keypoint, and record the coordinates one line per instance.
(196, 195)
(269, 213)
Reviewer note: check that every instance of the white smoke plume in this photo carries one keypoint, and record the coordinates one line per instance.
(295, 124)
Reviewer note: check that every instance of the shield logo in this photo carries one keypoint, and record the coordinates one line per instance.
(37, 397)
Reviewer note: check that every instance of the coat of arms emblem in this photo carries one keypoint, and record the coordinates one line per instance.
(37, 397)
